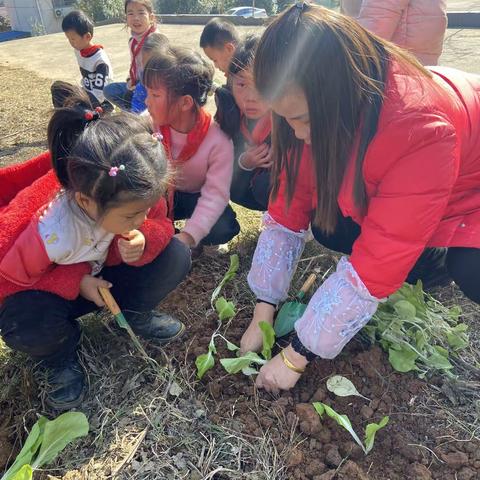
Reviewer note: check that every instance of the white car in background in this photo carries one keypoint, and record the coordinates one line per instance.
(248, 12)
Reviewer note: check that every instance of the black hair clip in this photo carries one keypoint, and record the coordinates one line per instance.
(300, 5)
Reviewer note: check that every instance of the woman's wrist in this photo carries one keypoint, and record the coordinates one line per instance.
(297, 346)
(293, 360)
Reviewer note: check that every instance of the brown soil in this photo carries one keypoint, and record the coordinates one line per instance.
(416, 444)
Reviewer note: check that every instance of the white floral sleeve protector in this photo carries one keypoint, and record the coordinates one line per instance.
(340, 307)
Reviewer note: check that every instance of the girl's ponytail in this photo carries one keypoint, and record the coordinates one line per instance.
(65, 126)
(228, 114)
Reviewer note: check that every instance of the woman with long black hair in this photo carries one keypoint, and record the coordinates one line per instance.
(380, 156)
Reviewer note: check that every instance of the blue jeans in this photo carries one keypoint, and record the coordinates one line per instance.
(118, 94)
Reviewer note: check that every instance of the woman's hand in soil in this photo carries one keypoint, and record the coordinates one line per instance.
(89, 286)
(252, 339)
(257, 157)
(186, 238)
(131, 247)
(275, 375)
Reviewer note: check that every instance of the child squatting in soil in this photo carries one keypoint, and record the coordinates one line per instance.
(178, 82)
(98, 219)
(246, 118)
(142, 22)
(386, 162)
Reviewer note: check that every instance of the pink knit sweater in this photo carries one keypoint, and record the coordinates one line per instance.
(209, 172)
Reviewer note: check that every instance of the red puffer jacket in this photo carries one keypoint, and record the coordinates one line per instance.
(422, 177)
(24, 265)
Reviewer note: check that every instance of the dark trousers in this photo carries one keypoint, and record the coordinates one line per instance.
(62, 90)
(251, 189)
(44, 325)
(462, 264)
(223, 231)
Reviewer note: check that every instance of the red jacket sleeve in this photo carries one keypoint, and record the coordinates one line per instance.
(298, 214)
(15, 178)
(158, 231)
(413, 181)
(26, 266)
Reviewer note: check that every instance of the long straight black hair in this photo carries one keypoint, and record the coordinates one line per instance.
(341, 69)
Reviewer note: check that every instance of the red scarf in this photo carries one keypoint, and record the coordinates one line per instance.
(88, 52)
(135, 48)
(260, 132)
(195, 138)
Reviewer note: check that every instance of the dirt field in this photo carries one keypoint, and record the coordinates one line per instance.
(150, 422)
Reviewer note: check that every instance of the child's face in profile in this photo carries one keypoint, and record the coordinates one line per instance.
(247, 97)
(120, 219)
(78, 42)
(221, 56)
(139, 19)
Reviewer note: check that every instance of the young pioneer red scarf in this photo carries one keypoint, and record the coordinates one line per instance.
(88, 52)
(135, 48)
(195, 137)
(260, 132)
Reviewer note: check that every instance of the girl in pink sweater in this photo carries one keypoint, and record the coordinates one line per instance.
(178, 82)
(416, 25)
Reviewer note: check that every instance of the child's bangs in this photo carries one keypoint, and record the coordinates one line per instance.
(153, 77)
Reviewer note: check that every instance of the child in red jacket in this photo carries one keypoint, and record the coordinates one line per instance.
(98, 220)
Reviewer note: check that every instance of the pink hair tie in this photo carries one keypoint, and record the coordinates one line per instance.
(157, 136)
(114, 170)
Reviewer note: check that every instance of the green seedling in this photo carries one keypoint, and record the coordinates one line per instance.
(45, 441)
(244, 363)
(206, 361)
(418, 332)
(225, 310)
(344, 421)
(232, 271)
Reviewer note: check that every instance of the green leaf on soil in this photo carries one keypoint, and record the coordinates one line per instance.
(58, 434)
(29, 450)
(268, 334)
(405, 309)
(224, 309)
(438, 361)
(342, 420)
(235, 365)
(402, 360)
(343, 387)
(371, 430)
(45, 441)
(417, 330)
(206, 361)
(234, 264)
(25, 473)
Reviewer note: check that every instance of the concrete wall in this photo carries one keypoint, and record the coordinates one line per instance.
(34, 16)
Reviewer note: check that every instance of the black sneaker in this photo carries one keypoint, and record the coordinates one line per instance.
(158, 327)
(65, 387)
